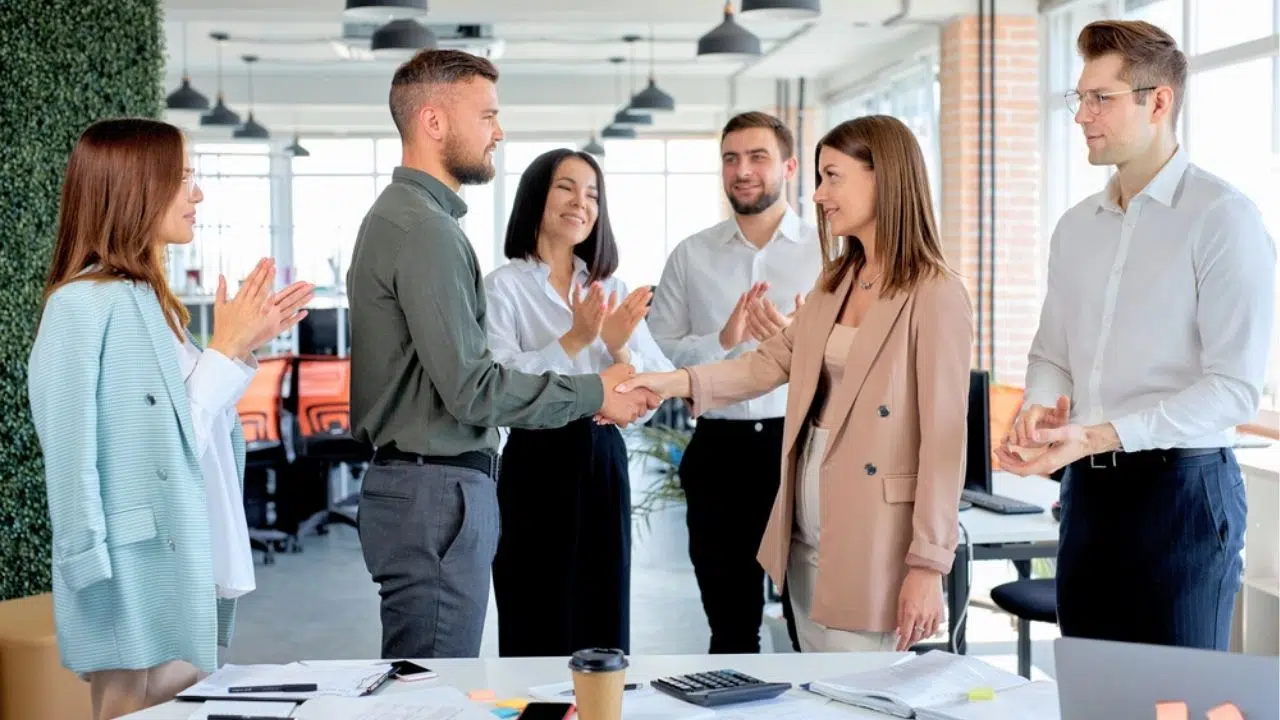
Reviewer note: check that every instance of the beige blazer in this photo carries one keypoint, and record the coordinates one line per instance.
(891, 477)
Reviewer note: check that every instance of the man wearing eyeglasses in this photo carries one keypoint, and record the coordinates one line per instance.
(1153, 345)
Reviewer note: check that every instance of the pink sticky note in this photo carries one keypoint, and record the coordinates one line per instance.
(482, 695)
(1171, 711)
(1225, 711)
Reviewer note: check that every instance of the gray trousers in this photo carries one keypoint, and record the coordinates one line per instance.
(428, 534)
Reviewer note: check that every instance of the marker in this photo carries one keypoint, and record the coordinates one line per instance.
(301, 687)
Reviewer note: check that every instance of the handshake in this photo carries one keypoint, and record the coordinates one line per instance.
(624, 406)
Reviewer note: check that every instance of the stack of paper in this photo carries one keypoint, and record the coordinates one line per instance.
(937, 686)
(443, 703)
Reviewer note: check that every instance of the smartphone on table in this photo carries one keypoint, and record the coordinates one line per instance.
(547, 711)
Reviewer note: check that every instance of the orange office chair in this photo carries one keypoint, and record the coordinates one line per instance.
(322, 402)
(266, 453)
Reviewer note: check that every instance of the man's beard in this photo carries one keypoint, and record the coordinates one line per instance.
(465, 170)
(767, 198)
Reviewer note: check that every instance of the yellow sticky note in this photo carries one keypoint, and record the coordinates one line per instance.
(482, 695)
(513, 703)
(1171, 711)
(977, 694)
(1225, 711)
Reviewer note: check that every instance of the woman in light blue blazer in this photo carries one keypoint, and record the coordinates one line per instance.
(143, 452)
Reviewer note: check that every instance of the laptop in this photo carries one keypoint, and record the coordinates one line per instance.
(1104, 679)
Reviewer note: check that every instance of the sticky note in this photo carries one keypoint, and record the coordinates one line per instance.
(482, 695)
(1225, 711)
(1171, 711)
(505, 713)
(981, 694)
(513, 703)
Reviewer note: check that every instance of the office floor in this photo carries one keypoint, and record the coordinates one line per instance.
(321, 604)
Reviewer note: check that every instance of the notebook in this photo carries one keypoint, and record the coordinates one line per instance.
(936, 686)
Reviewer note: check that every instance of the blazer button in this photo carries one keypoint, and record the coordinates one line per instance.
(884, 411)
(871, 469)
(172, 545)
(162, 474)
(151, 399)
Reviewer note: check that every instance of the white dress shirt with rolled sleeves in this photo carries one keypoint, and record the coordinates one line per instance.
(215, 383)
(1158, 318)
(701, 284)
(526, 318)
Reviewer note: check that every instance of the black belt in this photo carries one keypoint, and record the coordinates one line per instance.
(486, 461)
(1147, 458)
(738, 425)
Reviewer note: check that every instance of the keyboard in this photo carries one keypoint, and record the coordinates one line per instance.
(999, 503)
(719, 687)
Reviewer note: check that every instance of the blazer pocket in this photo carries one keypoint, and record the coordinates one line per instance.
(130, 526)
(899, 488)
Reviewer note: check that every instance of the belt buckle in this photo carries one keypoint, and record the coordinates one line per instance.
(1093, 465)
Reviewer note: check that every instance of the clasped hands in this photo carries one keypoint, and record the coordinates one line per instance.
(1043, 440)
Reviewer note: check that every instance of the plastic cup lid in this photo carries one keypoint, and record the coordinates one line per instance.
(598, 660)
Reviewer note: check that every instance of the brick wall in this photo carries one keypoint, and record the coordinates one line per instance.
(1018, 261)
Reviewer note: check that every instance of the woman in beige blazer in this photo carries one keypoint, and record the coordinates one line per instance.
(878, 358)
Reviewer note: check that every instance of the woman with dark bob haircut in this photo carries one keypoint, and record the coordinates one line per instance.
(562, 574)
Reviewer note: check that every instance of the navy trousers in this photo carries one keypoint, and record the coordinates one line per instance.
(1149, 549)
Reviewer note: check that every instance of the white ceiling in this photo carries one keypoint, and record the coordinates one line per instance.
(554, 57)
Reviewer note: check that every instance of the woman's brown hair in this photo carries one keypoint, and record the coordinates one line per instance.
(907, 241)
(122, 176)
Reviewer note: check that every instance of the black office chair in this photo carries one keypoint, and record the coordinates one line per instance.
(1033, 599)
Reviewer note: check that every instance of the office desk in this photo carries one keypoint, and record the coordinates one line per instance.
(993, 536)
(512, 677)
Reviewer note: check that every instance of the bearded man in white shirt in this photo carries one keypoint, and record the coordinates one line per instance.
(732, 466)
(1153, 345)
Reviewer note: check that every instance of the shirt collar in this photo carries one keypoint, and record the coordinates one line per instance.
(535, 266)
(788, 229)
(1162, 188)
(443, 194)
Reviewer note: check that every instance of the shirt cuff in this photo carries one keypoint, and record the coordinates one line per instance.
(1132, 433)
(218, 382)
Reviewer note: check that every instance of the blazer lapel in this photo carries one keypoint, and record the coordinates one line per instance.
(807, 358)
(166, 348)
(872, 334)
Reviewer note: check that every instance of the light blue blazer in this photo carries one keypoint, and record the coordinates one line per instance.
(132, 561)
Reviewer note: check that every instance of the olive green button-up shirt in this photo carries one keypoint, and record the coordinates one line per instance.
(422, 376)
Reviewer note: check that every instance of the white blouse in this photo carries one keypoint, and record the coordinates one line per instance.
(215, 383)
(527, 317)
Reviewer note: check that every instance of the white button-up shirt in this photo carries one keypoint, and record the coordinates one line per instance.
(527, 317)
(1158, 318)
(701, 284)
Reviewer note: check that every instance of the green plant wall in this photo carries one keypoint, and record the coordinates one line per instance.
(63, 65)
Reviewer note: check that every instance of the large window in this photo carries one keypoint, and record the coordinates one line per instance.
(233, 222)
(1230, 123)
(658, 193)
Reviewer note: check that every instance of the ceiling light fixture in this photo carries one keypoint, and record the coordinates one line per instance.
(220, 115)
(781, 9)
(593, 147)
(614, 132)
(376, 10)
(729, 40)
(186, 97)
(652, 98)
(402, 39)
(252, 129)
(625, 116)
(295, 148)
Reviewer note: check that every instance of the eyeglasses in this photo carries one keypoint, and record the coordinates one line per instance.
(189, 182)
(1093, 99)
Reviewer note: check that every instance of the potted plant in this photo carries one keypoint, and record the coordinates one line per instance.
(662, 447)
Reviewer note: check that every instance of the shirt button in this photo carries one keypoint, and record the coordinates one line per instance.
(759, 427)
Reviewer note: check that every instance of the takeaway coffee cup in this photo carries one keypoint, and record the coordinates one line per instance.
(599, 678)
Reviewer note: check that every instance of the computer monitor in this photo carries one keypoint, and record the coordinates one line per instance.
(318, 332)
(977, 471)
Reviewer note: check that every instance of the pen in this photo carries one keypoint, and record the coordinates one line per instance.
(628, 686)
(302, 687)
(239, 717)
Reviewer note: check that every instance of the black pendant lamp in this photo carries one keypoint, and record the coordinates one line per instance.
(652, 98)
(782, 9)
(220, 115)
(295, 148)
(402, 39)
(252, 129)
(593, 147)
(614, 132)
(729, 40)
(186, 97)
(383, 10)
(627, 117)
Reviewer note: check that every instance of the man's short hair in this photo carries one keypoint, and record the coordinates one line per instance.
(755, 119)
(413, 80)
(1149, 55)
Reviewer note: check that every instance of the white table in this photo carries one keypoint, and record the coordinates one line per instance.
(512, 677)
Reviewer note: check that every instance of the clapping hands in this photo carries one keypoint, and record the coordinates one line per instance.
(755, 317)
(255, 315)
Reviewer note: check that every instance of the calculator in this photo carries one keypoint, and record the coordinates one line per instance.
(719, 687)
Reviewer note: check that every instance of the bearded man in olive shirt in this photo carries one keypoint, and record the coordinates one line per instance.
(426, 395)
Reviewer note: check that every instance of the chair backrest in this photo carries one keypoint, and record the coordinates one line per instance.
(324, 396)
(259, 407)
(1006, 401)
